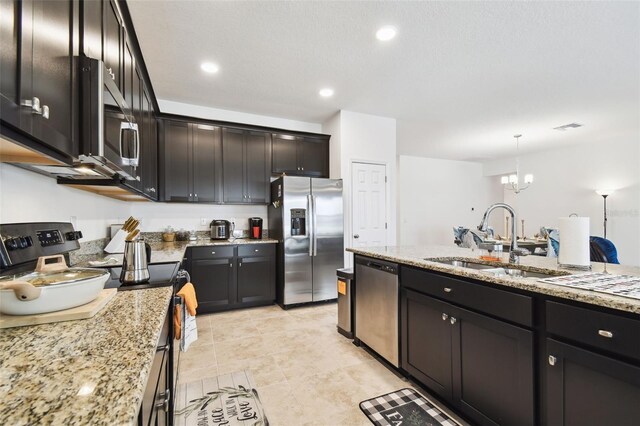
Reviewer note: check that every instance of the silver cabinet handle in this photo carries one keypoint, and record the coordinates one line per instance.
(45, 112)
(164, 404)
(552, 360)
(34, 104)
(213, 252)
(301, 168)
(444, 317)
(163, 348)
(447, 290)
(231, 265)
(356, 236)
(256, 250)
(452, 320)
(605, 333)
(152, 190)
(239, 264)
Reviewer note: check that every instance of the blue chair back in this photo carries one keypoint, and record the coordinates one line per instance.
(603, 250)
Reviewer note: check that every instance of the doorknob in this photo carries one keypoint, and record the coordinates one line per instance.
(356, 236)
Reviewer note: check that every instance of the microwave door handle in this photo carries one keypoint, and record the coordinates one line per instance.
(136, 141)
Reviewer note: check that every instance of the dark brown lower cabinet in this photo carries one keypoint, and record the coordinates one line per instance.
(584, 388)
(157, 401)
(482, 366)
(230, 277)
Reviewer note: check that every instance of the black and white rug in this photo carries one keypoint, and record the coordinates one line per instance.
(405, 407)
(228, 399)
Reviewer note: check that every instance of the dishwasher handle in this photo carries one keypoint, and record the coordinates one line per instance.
(382, 266)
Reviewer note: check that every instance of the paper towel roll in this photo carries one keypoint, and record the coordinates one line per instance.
(574, 242)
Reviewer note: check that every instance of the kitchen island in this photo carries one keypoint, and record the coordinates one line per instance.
(503, 349)
(91, 371)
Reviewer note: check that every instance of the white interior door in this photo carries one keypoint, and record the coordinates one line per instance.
(369, 199)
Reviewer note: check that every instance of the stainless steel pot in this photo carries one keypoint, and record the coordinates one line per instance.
(137, 255)
(53, 286)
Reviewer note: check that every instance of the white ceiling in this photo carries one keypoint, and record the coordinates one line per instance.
(460, 78)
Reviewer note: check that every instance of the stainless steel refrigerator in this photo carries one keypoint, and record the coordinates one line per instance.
(305, 216)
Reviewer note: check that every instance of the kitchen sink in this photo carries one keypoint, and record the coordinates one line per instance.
(463, 263)
(496, 270)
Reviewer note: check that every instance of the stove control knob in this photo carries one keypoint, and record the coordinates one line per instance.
(11, 243)
(73, 235)
(29, 241)
(22, 242)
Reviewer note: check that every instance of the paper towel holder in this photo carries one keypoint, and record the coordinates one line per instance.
(570, 266)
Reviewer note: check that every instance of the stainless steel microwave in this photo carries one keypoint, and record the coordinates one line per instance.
(109, 133)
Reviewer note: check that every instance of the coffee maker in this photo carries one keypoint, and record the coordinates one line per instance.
(255, 228)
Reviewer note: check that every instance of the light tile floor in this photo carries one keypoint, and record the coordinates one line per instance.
(305, 371)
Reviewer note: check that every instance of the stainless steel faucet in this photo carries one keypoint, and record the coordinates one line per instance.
(514, 251)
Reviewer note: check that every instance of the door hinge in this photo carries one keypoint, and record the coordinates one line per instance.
(385, 179)
(385, 225)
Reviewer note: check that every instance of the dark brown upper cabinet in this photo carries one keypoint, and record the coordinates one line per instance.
(300, 155)
(192, 163)
(246, 156)
(38, 91)
(113, 42)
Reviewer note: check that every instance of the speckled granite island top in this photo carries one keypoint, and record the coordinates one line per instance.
(162, 252)
(82, 372)
(415, 256)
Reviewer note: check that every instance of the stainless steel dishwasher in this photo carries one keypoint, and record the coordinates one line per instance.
(377, 307)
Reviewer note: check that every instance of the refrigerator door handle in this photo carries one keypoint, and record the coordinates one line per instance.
(315, 231)
(311, 223)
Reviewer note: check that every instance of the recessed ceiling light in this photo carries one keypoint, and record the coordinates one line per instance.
(210, 67)
(326, 93)
(386, 33)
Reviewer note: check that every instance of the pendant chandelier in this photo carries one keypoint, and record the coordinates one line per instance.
(512, 182)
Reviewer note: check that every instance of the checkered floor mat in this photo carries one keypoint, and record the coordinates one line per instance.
(406, 407)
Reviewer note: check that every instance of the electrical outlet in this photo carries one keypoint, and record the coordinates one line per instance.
(203, 221)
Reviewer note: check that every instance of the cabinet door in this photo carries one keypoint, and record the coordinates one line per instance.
(285, 154)
(113, 41)
(91, 33)
(128, 75)
(51, 79)
(207, 163)
(10, 32)
(492, 369)
(257, 160)
(149, 154)
(256, 279)
(587, 389)
(426, 341)
(214, 282)
(313, 157)
(233, 169)
(177, 157)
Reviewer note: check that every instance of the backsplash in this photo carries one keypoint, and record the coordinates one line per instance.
(88, 250)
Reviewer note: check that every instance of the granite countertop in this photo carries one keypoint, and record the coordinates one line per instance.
(91, 371)
(162, 252)
(415, 256)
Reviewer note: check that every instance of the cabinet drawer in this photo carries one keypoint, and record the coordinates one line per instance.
(212, 252)
(503, 304)
(606, 331)
(248, 250)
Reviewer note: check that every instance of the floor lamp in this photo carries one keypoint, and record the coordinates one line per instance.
(605, 193)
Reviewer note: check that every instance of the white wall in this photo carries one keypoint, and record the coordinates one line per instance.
(171, 107)
(26, 196)
(436, 195)
(157, 216)
(365, 138)
(565, 183)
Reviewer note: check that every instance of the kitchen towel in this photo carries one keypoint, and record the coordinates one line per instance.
(184, 320)
(574, 242)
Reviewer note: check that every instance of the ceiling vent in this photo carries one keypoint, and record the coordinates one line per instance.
(568, 126)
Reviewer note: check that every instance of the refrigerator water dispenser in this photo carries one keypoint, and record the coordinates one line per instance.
(298, 222)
